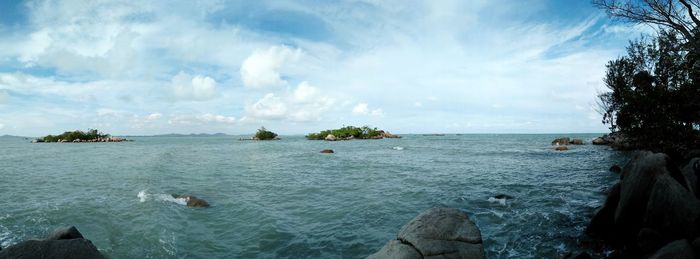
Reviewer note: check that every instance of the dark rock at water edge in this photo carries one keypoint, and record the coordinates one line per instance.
(503, 196)
(327, 151)
(436, 233)
(615, 169)
(192, 201)
(654, 204)
(63, 243)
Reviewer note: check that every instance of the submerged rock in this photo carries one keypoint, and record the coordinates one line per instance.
(561, 148)
(561, 141)
(503, 196)
(439, 233)
(192, 201)
(63, 243)
(327, 151)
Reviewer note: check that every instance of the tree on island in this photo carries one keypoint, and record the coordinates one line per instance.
(654, 97)
(69, 136)
(264, 134)
(350, 132)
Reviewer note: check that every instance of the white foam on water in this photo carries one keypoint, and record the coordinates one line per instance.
(500, 201)
(397, 148)
(144, 196)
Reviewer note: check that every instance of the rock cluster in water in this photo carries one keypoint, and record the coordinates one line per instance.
(616, 140)
(192, 201)
(63, 243)
(436, 233)
(561, 144)
(653, 211)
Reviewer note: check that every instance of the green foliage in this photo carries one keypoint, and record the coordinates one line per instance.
(264, 134)
(654, 95)
(69, 136)
(364, 132)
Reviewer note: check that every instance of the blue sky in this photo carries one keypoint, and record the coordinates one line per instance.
(152, 67)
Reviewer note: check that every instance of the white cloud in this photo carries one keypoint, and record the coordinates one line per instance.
(2, 126)
(270, 107)
(197, 88)
(360, 109)
(262, 68)
(4, 96)
(154, 116)
(305, 103)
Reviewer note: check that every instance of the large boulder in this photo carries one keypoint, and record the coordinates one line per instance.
(603, 222)
(64, 243)
(576, 142)
(599, 141)
(638, 178)
(675, 250)
(396, 249)
(672, 209)
(561, 141)
(331, 137)
(691, 172)
(437, 233)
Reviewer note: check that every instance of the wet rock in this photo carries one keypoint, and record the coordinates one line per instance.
(327, 151)
(503, 196)
(443, 232)
(561, 141)
(561, 148)
(65, 233)
(63, 243)
(193, 201)
(615, 169)
(602, 224)
(576, 142)
(331, 137)
(396, 249)
(599, 141)
(676, 249)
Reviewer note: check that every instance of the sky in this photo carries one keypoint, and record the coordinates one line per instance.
(156, 67)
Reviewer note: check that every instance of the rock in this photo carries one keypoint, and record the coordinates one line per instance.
(649, 240)
(672, 209)
(396, 249)
(638, 177)
(561, 141)
(696, 244)
(599, 141)
(192, 201)
(444, 232)
(327, 151)
(615, 169)
(603, 222)
(386, 134)
(561, 148)
(676, 249)
(503, 196)
(690, 172)
(576, 142)
(65, 233)
(331, 137)
(63, 243)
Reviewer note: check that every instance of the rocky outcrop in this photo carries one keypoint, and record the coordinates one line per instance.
(436, 233)
(615, 169)
(64, 243)
(386, 134)
(331, 137)
(327, 151)
(599, 141)
(576, 141)
(561, 141)
(617, 140)
(192, 201)
(676, 249)
(652, 205)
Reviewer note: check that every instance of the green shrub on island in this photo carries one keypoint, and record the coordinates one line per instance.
(91, 135)
(348, 132)
(264, 134)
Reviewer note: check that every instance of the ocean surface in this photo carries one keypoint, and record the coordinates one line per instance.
(285, 199)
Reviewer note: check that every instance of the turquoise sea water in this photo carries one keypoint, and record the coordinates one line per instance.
(285, 199)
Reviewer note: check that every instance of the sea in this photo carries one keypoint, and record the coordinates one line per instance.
(284, 199)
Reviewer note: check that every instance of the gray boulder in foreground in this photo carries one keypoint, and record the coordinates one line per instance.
(64, 243)
(436, 233)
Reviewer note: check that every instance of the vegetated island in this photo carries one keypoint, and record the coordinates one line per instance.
(91, 135)
(350, 132)
(263, 134)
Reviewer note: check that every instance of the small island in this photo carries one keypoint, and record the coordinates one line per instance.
(263, 134)
(350, 132)
(91, 135)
